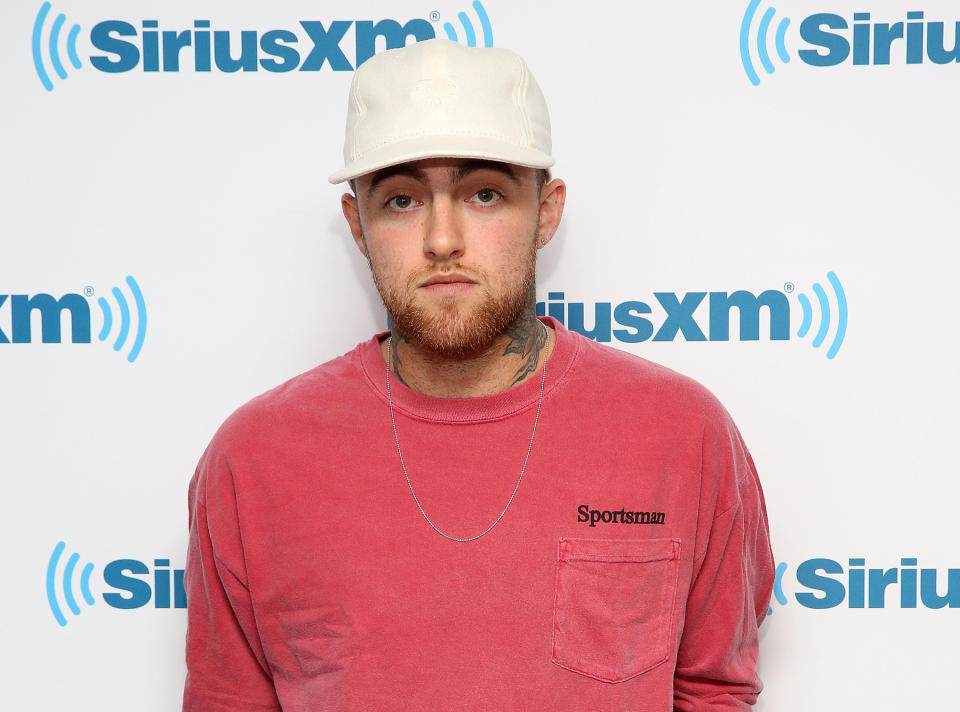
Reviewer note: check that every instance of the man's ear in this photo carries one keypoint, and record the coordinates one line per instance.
(552, 197)
(351, 211)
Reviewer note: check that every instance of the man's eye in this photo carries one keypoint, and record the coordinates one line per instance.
(487, 195)
(400, 202)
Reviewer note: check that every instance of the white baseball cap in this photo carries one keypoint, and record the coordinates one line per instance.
(437, 98)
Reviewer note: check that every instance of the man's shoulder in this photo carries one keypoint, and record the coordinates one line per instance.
(646, 382)
(324, 388)
(670, 407)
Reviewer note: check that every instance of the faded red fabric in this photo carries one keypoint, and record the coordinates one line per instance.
(630, 572)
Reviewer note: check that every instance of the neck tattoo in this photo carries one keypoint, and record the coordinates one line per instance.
(396, 438)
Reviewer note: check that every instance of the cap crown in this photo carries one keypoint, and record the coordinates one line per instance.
(438, 98)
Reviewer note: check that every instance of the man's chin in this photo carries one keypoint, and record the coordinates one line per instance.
(453, 340)
(450, 332)
(460, 326)
(458, 348)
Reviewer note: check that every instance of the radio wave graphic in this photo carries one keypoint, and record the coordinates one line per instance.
(125, 319)
(53, 46)
(468, 31)
(67, 584)
(778, 586)
(826, 315)
(762, 29)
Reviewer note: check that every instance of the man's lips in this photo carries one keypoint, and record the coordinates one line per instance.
(448, 278)
(448, 284)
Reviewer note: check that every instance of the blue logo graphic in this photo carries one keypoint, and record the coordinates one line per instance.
(825, 583)
(67, 584)
(832, 39)
(124, 329)
(778, 593)
(130, 322)
(703, 316)
(53, 46)
(825, 315)
(121, 46)
(124, 576)
(470, 35)
(763, 28)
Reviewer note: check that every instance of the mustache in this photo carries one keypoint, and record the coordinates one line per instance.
(422, 275)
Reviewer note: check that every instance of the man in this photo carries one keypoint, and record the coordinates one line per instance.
(479, 510)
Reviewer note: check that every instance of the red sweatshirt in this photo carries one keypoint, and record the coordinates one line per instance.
(630, 572)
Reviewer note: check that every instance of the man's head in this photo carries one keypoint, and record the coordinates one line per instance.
(447, 152)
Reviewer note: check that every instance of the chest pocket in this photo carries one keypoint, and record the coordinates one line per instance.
(615, 607)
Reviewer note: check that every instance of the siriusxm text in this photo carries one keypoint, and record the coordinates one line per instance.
(675, 315)
(202, 49)
(50, 311)
(135, 587)
(869, 42)
(829, 584)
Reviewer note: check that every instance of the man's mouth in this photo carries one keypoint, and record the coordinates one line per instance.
(448, 283)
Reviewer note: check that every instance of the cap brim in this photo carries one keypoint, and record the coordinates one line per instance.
(420, 147)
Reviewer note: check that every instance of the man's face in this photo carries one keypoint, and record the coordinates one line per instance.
(452, 247)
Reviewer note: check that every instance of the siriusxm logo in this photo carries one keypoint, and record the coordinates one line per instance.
(826, 583)
(707, 316)
(46, 311)
(129, 580)
(121, 46)
(832, 39)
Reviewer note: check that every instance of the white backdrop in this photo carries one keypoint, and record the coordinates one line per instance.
(209, 190)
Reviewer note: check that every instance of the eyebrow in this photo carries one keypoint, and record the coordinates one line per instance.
(459, 173)
(402, 169)
(471, 166)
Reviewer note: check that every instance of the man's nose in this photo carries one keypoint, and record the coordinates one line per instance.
(444, 236)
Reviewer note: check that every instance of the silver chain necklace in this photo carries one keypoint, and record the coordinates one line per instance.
(396, 438)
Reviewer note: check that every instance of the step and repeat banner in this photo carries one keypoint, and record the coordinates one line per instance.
(761, 196)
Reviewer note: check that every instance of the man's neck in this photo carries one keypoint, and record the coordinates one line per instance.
(511, 358)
